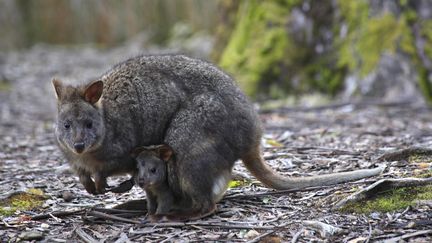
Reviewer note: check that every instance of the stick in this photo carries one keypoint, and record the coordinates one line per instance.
(84, 236)
(57, 214)
(275, 192)
(404, 154)
(113, 217)
(409, 235)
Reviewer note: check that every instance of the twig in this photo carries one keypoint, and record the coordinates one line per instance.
(84, 236)
(275, 192)
(215, 225)
(407, 236)
(297, 235)
(404, 154)
(115, 211)
(382, 185)
(112, 217)
(57, 214)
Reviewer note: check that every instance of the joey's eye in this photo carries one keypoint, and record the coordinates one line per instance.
(153, 170)
(66, 125)
(89, 124)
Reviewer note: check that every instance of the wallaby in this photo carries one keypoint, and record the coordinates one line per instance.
(152, 177)
(186, 103)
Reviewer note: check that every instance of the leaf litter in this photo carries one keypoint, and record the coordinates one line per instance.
(299, 142)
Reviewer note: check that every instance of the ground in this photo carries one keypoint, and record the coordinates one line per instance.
(298, 142)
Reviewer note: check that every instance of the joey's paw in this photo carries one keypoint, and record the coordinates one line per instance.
(154, 218)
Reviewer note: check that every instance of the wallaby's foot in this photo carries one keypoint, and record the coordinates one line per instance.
(88, 183)
(186, 216)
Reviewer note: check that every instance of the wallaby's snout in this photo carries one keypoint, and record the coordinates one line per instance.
(79, 147)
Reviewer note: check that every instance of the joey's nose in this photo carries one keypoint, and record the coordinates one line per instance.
(79, 147)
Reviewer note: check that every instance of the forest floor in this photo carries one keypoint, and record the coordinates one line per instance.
(298, 142)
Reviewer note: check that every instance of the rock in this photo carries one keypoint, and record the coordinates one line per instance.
(67, 196)
(31, 235)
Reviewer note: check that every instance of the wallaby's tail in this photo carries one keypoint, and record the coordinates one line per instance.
(257, 166)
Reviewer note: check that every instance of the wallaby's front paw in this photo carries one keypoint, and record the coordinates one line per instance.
(100, 191)
(123, 187)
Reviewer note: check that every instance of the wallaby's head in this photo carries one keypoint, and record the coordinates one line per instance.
(152, 165)
(80, 126)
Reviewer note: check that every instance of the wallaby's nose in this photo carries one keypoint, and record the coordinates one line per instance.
(79, 147)
(141, 183)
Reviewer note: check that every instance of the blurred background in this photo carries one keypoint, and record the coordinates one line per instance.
(286, 50)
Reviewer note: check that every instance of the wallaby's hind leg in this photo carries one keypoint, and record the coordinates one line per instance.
(203, 158)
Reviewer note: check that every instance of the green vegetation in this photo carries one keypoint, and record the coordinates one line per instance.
(258, 44)
(399, 198)
(270, 54)
(20, 201)
(391, 200)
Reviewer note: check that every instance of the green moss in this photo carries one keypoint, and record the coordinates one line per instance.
(5, 85)
(258, 43)
(420, 158)
(21, 201)
(368, 37)
(267, 56)
(238, 183)
(391, 200)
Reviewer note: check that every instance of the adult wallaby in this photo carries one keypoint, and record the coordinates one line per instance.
(188, 104)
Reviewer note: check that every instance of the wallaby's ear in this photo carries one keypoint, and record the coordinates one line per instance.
(165, 152)
(93, 92)
(58, 87)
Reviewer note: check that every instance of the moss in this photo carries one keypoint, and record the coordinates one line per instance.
(258, 43)
(420, 158)
(5, 85)
(424, 81)
(21, 201)
(391, 200)
(238, 183)
(368, 37)
(270, 55)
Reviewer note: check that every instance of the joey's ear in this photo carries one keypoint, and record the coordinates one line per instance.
(58, 87)
(93, 92)
(165, 152)
(137, 151)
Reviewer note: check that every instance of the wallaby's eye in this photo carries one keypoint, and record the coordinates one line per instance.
(66, 125)
(153, 170)
(89, 124)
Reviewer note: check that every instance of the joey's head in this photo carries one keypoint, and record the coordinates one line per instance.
(80, 125)
(152, 165)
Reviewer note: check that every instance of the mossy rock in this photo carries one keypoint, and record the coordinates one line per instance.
(19, 201)
(396, 199)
